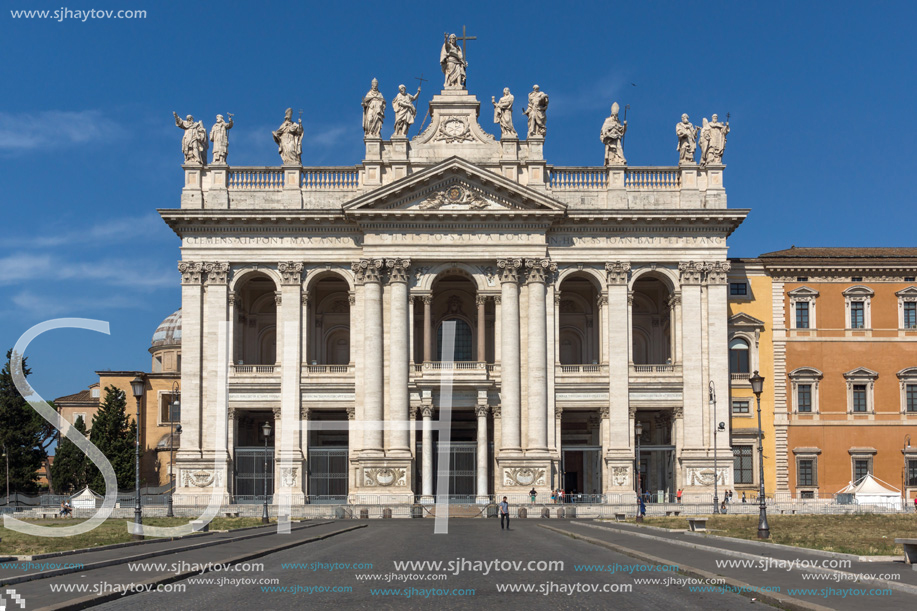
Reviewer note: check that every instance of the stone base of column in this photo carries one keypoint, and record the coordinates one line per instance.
(198, 481)
(618, 479)
(517, 476)
(427, 500)
(482, 500)
(697, 476)
(383, 480)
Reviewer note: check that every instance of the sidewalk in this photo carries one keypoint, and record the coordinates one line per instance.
(754, 565)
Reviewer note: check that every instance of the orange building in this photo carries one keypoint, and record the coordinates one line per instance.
(845, 360)
(157, 404)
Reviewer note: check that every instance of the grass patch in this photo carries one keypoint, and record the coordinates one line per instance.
(860, 534)
(111, 531)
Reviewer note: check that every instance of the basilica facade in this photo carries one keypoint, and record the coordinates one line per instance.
(452, 315)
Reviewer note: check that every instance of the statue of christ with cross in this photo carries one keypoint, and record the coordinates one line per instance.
(452, 60)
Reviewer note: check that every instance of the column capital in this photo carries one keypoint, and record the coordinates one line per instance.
(558, 413)
(368, 270)
(191, 271)
(303, 413)
(277, 412)
(217, 272)
(427, 299)
(304, 298)
(290, 272)
(426, 411)
(539, 270)
(617, 271)
(351, 413)
(691, 272)
(510, 270)
(498, 299)
(231, 413)
(604, 411)
(631, 412)
(351, 298)
(678, 412)
(601, 299)
(717, 272)
(278, 297)
(231, 299)
(480, 299)
(496, 409)
(481, 411)
(398, 270)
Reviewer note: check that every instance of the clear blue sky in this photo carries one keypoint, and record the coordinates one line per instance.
(821, 96)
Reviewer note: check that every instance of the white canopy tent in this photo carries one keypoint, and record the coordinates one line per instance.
(870, 491)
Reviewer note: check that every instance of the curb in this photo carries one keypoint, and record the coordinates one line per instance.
(125, 559)
(773, 598)
(897, 585)
(92, 601)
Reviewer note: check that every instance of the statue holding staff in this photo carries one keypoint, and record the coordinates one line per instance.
(452, 61)
(289, 139)
(687, 140)
(404, 110)
(194, 141)
(611, 135)
(220, 139)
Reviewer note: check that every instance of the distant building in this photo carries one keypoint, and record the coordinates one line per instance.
(845, 359)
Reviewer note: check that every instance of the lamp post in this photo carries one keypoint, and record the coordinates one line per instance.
(904, 479)
(638, 429)
(266, 429)
(716, 473)
(137, 388)
(7, 458)
(764, 531)
(174, 407)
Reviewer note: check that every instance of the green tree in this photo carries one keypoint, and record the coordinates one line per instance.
(114, 434)
(70, 470)
(20, 434)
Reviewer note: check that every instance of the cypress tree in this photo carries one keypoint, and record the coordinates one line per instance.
(113, 433)
(20, 434)
(71, 467)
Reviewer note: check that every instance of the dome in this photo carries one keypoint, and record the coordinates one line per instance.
(168, 334)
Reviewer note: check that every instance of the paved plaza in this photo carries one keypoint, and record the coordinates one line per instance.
(402, 564)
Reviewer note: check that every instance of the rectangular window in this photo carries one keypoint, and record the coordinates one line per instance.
(802, 314)
(738, 288)
(856, 278)
(802, 278)
(804, 398)
(860, 469)
(169, 410)
(805, 472)
(910, 397)
(857, 316)
(910, 278)
(911, 472)
(807, 495)
(859, 397)
(743, 467)
(740, 407)
(910, 315)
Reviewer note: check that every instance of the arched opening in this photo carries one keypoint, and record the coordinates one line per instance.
(578, 324)
(255, 336)
(329, 302)
(454, 298)
(652, 322)
(739, 353)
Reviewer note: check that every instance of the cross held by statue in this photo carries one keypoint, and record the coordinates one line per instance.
(463, 38)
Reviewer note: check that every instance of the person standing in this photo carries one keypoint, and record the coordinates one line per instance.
(743, 498)
(533, 493)
(504, 513)
(678, 495)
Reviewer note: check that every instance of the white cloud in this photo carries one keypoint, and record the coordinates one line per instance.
(23, 132)
(44, 306)
(21, 268)
(104, 233)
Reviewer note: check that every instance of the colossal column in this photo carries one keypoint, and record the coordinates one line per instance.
(426, 411)
(427, 328)
(619, 455)
(695, 388)
(399, 400)
(369, 273)
(481, 301)
(192, 314)
(509, 369)
(216, 359)
(538, 272)
(290, 326)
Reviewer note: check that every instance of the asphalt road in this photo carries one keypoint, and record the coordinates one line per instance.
(380, 585)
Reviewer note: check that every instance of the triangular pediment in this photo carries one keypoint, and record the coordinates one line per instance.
(803, 291)
(744, 320)
(861, 372)
(454, 186)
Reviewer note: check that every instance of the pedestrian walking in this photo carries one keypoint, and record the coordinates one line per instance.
(504, 513)
(642, 507)
(743, 498)
(533, 493)
(561, 495)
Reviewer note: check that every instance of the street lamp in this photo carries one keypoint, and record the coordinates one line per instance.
(904, 480)
(764, 531)
(7, 458)
(174, 407)
(266, 429)
(716, 499)
(137, 388)
(638, 429)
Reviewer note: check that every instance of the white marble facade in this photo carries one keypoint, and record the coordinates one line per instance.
(583, 298)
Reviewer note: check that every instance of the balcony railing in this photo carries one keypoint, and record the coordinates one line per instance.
(667, 368)
(652, 179)
(255, 179)
(327, 369)
(255, 369)
(739, 377)
(582, 369)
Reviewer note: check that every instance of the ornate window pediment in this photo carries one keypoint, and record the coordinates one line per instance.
(802, 307)
(859, 291)
(804, 382)
(803, 291)
(860, 386)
